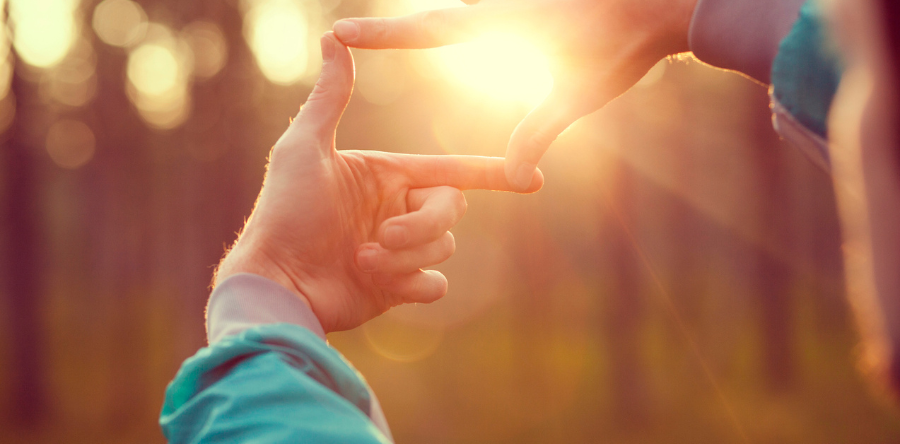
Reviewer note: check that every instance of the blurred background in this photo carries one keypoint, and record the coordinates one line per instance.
(678, 280)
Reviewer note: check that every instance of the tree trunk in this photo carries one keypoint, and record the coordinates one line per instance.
(23, 257)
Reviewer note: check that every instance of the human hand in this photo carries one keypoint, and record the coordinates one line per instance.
(598, 50)
(349, 231)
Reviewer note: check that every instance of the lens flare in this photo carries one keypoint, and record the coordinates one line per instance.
(402, 341)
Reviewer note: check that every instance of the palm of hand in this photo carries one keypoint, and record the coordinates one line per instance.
(349, 231)
(318, 220)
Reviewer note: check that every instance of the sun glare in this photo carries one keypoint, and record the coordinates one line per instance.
(500, 66)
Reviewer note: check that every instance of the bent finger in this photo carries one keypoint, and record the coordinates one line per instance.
(421, 286)
(533, 137)
(433, 212)
(373, 258)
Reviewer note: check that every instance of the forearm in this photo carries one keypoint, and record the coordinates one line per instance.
(268, 375)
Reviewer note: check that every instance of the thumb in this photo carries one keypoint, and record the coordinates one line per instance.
(533, 136)
(323, 109)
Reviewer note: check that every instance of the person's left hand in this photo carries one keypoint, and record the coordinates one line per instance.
(598, 49)
(349, 231)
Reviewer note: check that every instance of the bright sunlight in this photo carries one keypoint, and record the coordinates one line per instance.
(501, 66)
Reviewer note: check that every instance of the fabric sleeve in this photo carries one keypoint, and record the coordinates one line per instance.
(246, 300)
(806, 73)
(741, 35)
(272, 383)
(784, 43)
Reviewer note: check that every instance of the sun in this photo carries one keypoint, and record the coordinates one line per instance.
(502, 66)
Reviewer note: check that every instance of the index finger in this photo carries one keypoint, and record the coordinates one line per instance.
(457, 171)
(427, 29)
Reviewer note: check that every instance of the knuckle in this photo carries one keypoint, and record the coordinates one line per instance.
(541, 139)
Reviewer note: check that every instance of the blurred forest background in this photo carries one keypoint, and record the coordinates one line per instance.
(678, 280)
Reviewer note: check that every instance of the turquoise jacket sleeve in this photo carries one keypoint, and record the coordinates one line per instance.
(805, 77)
(268, 376)
(783, 43)
(269, 384)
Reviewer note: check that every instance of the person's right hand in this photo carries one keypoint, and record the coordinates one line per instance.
(598, 48)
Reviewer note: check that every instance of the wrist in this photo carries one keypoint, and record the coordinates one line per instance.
(248, 256)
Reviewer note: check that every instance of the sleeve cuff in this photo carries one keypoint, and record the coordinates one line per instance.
(245, 300)
(742, 35)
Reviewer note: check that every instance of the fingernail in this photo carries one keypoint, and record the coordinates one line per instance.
(396, 237)
(524, 173)
(346, 30)
(365, 260)
(327, 48)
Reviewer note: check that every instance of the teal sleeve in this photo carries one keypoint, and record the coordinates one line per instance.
(270, 384)
(807, 70)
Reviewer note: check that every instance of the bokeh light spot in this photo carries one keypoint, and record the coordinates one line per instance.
(277, 32)
(153, 69)
(158, 78)
(119, 22)
(500, 66)
(70, 143)
(402, 341)
(43, 30)
(72, 82)
(208, 46)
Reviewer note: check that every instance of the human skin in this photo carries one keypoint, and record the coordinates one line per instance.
(349, 231)
(598, 50)
(862, 127)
